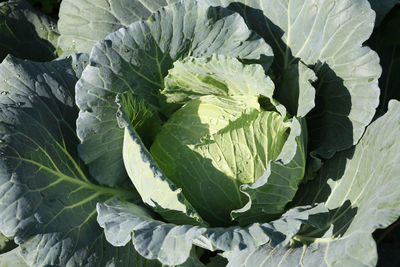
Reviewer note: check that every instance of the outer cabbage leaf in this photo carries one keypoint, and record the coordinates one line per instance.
(360, 187)
(326, 35)
(171, 243)
(26, 33)
(47, 201)
(84, 22)
(138, 58)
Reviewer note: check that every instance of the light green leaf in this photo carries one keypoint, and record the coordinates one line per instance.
(84, 22)
(141, 115)
(12, 259)
(215, 75)
(326, 35)
(47, 201)
(171, 244)
(26, 33)
(196, 151)
(138, 58)
(360, 187)
(154, 188)
(268, 196)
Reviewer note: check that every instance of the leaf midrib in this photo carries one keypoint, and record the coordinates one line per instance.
(125, 194)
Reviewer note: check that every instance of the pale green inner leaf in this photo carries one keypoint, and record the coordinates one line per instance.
(215, 75)
(214, 144)
(144, 117)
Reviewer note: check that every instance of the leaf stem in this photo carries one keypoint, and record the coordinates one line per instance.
(304, 239)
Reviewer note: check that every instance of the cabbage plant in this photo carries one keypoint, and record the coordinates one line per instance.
(196, 133)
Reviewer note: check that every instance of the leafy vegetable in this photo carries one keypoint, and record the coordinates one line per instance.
(201, 133)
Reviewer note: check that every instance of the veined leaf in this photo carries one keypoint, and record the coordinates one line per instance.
(326, 35)
(217, 75)
(171, 244)
(154, 188)
(47, 201)
(141, 56)
(360, 187)
(84, 22)
(277, 186)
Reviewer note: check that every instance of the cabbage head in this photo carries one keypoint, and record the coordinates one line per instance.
(197, 133)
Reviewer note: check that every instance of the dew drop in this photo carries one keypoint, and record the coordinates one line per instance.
(221, 117)
(38, 218)
(246, 162)
(4, 93)
(239, 172)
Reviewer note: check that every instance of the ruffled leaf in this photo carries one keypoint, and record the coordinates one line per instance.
(217, 75)
(137, 59)
(360, 187)
(84, 22)
(153, 186)
(171, 244)
(47, 201)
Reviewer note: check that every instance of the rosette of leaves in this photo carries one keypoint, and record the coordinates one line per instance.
(202, 131)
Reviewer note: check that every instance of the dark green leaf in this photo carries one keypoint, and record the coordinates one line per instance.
(26, 33)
